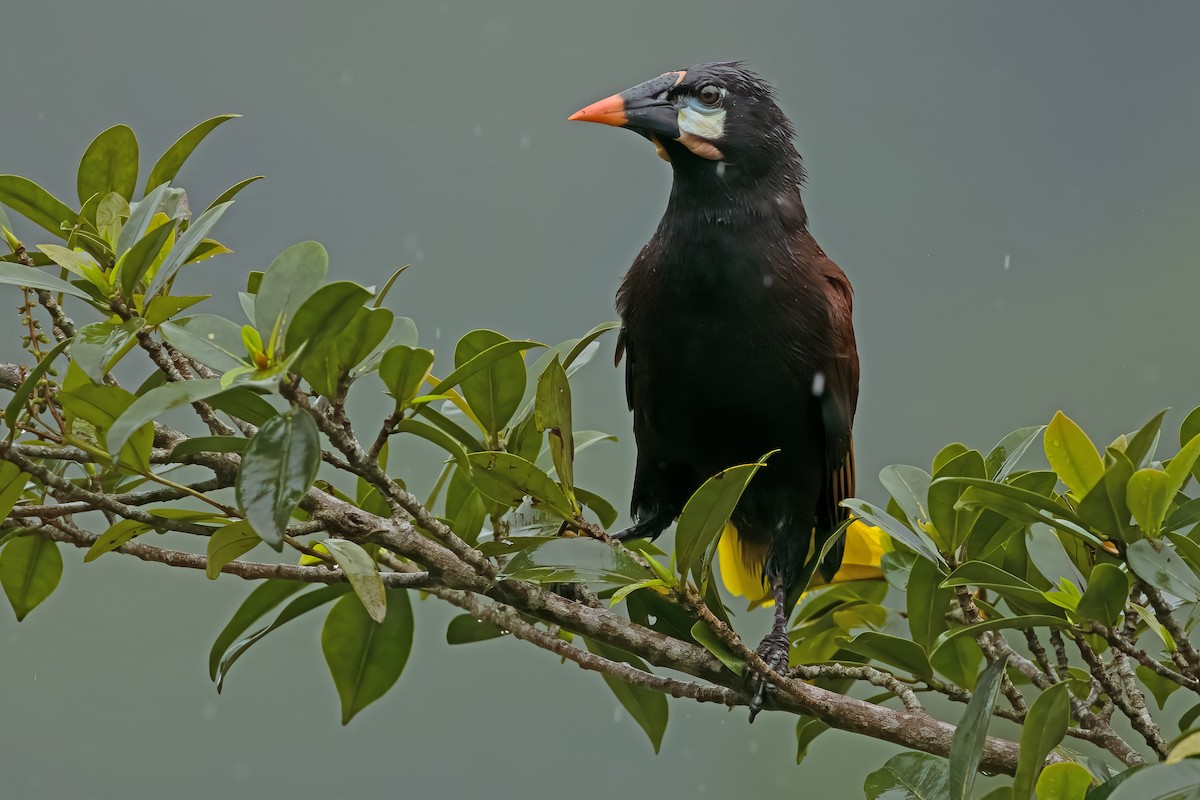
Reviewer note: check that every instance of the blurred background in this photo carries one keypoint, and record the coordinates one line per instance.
(1013, 189)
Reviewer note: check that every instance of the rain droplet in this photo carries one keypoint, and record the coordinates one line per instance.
(526, 140)
(1007, 260)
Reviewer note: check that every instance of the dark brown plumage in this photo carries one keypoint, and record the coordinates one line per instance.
(737, 331)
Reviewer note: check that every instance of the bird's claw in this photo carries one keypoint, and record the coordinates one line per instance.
(773, 650)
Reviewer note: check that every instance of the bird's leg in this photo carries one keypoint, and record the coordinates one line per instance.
(647, 525)
(773, 649)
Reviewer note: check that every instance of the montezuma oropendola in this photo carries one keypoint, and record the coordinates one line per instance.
(737, 332)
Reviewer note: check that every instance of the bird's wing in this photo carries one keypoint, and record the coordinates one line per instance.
(622, 341)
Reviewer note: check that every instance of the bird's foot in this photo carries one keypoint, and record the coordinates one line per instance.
(647, 529)
(773, 650)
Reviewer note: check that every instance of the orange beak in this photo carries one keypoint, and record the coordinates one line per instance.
(609, 111)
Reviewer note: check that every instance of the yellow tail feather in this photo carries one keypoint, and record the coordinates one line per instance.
(865, 546)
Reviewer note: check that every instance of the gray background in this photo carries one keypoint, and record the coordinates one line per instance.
(943, 141)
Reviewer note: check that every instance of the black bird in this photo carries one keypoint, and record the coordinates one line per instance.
(737, 331)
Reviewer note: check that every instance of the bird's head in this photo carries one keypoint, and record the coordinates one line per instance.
(706, 118)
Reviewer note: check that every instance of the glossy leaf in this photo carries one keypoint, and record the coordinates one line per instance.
(16, 403)
(1140, 449)
(586, 340)
(1049, 557)
(403, 371)
(232, 191)
(893, 651)
(265, 596)
(1106, 506)
(1045, 726)
(360, 569)
(1160, 565)
(324, 314)
(295, 274)
(971, 732)
(30, 568)
(212, 340)
(603, 509)
(154, 404)
(807, 729)
(909, 487)
(1002, 623)
(81, 264)
(465, 629)
(1179, 781)
(325, 366)
(647, 707)
(244, 404)
(366, 657)
(438, 437)
(552, 413)
(135, 263)
(554, 559)
(98, 346)
(298, 607)
(494, 392)
(120, 532)
(1107, 591)
(507, 479)
(1065, 780)
(909, 776)
(278, 467)
(141, 216)
(927, 603)
(1072, 455)
(12, 484)
(1148, 495)
(227, 544)
(920, 543)
(952, 522)
(35, 204)
(110, 164)
(184, 247)
(709, 640)
(169, 163)
(387, 286)
(1004, 457)
(20, 275)
(959, 661)
(162, 308)
(707, 511)
(102, 406)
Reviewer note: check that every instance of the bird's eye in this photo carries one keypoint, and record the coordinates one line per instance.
(710, 95)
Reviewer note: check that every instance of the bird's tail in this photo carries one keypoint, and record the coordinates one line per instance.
(742, 567)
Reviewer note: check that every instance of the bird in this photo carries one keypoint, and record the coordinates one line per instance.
(738, 339)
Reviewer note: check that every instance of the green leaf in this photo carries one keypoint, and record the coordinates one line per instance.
(552, 559)
(1072, 455)
(30, 568)
(927, 603)
(1158, 564)
(465, 629)
(1180, 781)
(212, 340)
(154, 404)
(387, 286)
(100, 345)
(705, 636)
(78, 263)
(948, 454)
(141, 215)
(232, 191)
(1186, 515)
(1045, 726)
(1065, 780)
(265, 596)
(169, 163)
(102, 406)
(183, 248)
(19, 275)
(909, 776)
(325, 366)
(228, 543)
(36, 204)
(952, 522)
(1149, 495)
(438, 437)
(110, 164)
(909, 487)
(959, 661)
(1142, 444)
(1003, 458)
(278, 467)
(117, 534)
(366, 657)
(595, 333)
(807, 729)
(1107, 591)
(483, 360)
(493, 392)
(891, 650)
(1162, 688)
(708, 510)
(363, 574)
(1183, 464)
(243, 404)
(403, 371)
(1049, 557)
(324, 314)
(298, 607)
(920, 543)
(162, 308)
(647, 707)
(603, 509)
(133, 265)
(1151, 622)
(1002, 623)
(507, 479)
(12, 485)
(1106, 507)
(295, 274)
(552, 413)
(971, 733)
(16, 403)
(1024, 505)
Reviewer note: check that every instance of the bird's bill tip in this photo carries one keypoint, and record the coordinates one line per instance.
(609, 111)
